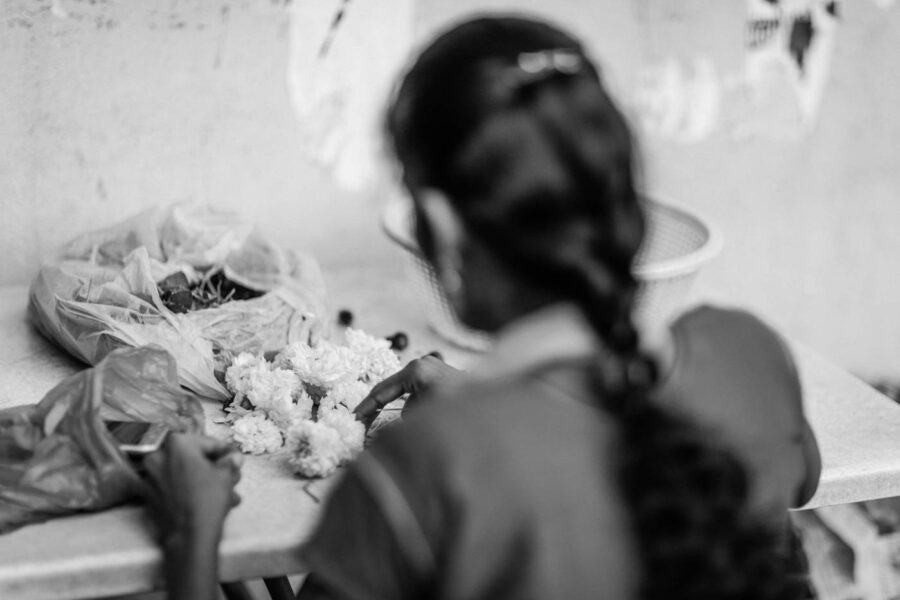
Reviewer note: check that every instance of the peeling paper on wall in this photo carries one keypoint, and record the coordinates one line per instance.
(688, 48)
(789, 52)
(774, 91)
(344, 59)
(680, 101)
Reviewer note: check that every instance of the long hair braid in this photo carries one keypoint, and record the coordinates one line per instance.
(688, 498)
(541, 170)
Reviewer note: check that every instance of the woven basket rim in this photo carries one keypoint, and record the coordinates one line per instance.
(686, 263)
(395, 219)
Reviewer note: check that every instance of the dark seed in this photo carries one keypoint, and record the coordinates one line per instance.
(175, 281)
(180, 300)
(399, 341)
(345, 317)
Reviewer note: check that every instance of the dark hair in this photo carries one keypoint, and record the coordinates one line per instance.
(510, 120)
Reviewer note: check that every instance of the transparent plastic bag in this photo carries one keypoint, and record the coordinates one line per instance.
(56, 457)
(100, 292)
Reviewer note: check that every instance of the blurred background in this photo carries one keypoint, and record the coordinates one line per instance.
(777, 121)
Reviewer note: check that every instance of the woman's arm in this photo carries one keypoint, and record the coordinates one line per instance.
(812, 459)
(361, 549)
(313, 589)
(190, 489)
(191, 565)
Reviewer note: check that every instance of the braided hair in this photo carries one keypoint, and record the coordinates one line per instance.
(509, 119)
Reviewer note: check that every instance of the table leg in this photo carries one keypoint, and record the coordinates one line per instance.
(236, 590)
(279, 588)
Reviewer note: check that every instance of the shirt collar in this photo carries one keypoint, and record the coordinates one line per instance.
(554, 333)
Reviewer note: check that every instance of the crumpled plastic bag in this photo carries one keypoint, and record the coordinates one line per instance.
(56, 457)
(100, 293)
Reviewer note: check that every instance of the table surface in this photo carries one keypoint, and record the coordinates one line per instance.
(113, 552)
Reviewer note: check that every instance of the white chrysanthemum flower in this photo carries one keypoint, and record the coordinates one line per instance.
(273, 390)
(375, 359)
(287, 417)
(333, 365)
(239, 377)
(316, 449)
(379, 365)
(362, 343)
(322, 366)
(351, 431)
(298, 357)
(346, 393)
(233, 412)
(256, 434)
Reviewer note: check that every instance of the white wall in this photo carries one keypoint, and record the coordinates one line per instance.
(122, 105)
(812, 226)
(119, 105)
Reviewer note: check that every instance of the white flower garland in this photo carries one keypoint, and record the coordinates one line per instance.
(304, 400)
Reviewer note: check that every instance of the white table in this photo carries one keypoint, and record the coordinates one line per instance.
(858, 430)
(113, 552)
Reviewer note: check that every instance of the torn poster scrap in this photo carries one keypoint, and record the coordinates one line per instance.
(774, 92)
(344, 59)
(789, 50)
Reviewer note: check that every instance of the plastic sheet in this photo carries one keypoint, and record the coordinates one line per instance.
(100, 292)
(56, 457)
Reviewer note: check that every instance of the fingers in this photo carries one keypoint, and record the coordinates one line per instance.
(234, 457)
(415, 377)
(434, 368)
(232, 463)
(382, 394)
(391, 388)
(411, 402)
(153, 462)
(191, 482)
(366, 411)
(211, 447)
(154, 465)
(182, 448)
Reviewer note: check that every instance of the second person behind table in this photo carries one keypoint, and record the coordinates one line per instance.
(501, 144)
(549, 473)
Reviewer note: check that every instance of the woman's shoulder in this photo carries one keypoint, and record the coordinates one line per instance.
(502, 428)
(727, 339)
(714, 317)
(735, 373)
(719, 348)
(497, 411)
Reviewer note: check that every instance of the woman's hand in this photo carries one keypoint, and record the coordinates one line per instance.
(419, 375)
(191, 483)
(190, 489)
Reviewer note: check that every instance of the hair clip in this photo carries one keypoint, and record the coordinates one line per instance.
(533, 67)
(565, 61)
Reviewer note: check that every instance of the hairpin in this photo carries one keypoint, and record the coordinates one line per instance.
(532, 67)
(565, 61)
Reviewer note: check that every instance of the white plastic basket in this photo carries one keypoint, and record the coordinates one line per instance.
(677, 245)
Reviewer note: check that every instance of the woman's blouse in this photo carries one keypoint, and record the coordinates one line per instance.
(504, 487)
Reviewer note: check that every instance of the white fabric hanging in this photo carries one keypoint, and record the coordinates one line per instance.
(341, 73)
